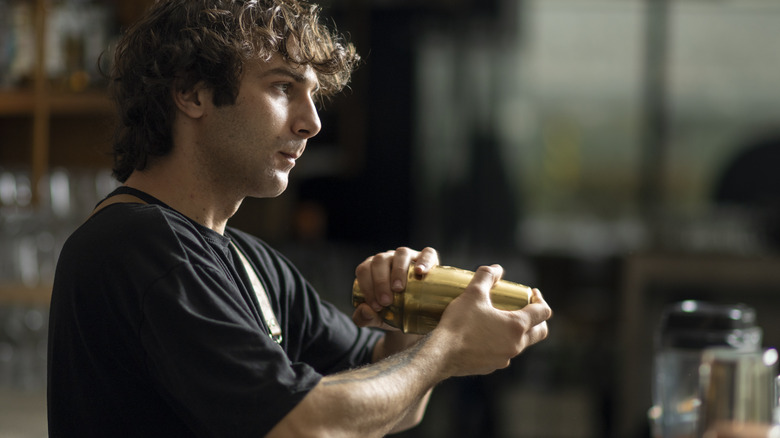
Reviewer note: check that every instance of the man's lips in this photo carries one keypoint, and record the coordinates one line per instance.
(290, 157)
(293, 155)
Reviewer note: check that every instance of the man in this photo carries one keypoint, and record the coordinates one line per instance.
(167, 322)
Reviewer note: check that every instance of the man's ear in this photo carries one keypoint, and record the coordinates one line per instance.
(193, 101)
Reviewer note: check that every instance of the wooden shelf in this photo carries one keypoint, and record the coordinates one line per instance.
(19, 294)
(23, 103)
(86, 103)
(17, 102)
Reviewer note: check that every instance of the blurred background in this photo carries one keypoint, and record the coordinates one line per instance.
(620, 155)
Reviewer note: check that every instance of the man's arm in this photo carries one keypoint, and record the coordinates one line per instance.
(366, 402)
(472, 338)
(392, 343)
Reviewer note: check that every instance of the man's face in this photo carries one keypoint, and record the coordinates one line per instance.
(250, 147)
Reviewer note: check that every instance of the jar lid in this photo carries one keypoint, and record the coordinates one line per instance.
(699, 324)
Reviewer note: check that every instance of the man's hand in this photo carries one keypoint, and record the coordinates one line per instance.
(479, 338)
(385, 274)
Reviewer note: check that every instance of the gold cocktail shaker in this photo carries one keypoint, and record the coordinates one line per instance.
(419, 307)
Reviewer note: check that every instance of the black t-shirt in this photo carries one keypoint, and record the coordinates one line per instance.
(156, 331)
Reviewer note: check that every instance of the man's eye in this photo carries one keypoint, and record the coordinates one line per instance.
(284, 88)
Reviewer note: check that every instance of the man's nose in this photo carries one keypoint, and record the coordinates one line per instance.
(307, 123)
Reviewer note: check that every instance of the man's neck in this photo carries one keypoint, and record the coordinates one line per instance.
(184, 195)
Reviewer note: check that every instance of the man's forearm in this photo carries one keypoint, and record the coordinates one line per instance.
(368, 401)
(392, 343)
(414, 414)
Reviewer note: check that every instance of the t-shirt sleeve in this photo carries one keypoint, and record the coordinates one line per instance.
(331, 342)
(219, 370)
(316, 332)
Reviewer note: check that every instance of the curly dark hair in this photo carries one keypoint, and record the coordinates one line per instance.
(179, 43)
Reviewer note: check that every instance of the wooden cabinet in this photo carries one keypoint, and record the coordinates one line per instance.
(50, 121)
(45, 124)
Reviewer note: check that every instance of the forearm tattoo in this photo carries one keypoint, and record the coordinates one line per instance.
(385, 367)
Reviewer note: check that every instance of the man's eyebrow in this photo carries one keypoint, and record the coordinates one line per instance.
(295, 76)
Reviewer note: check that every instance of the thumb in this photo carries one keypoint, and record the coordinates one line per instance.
(365, 316)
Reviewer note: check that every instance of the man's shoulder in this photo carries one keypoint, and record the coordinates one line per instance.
(132, 221)
(127, 231)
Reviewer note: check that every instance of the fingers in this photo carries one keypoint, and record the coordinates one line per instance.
(400, 268)
(536, 334)
(538, 308)
(366, 283)
(526, 326)
(534, 317)
(484, 279)
(422, 261)
(381, 266)
(385, 274)
(426, 259)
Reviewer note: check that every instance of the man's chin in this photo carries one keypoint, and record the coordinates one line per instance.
(271, 191)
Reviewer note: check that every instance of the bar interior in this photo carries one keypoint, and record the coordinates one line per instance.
(620, 155)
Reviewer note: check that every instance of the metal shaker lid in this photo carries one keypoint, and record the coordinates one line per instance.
(699, 324)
